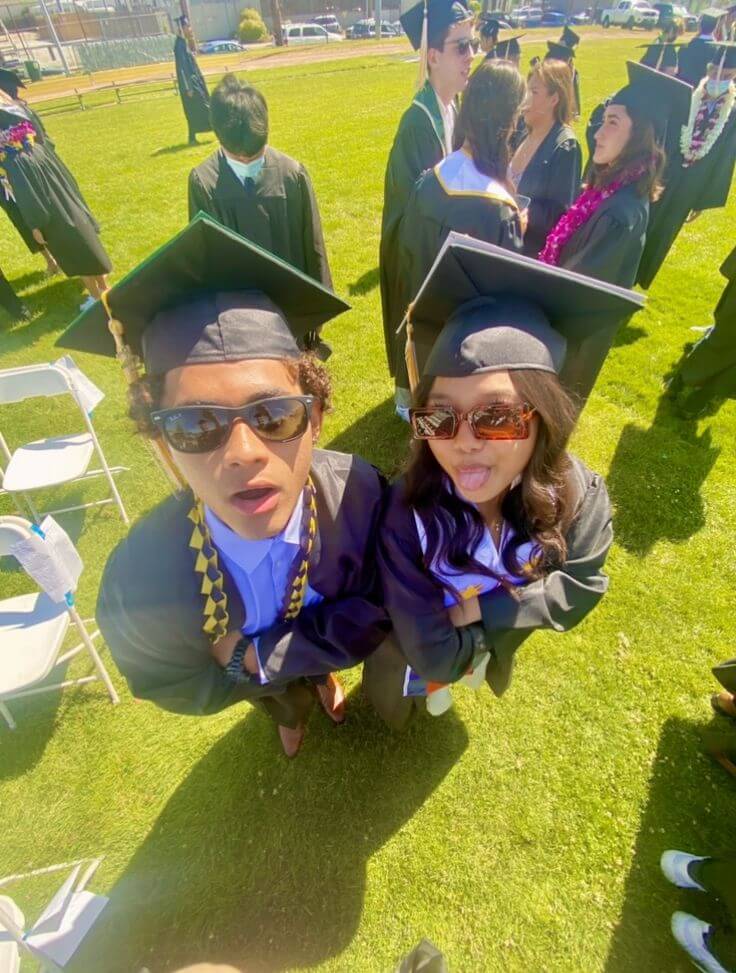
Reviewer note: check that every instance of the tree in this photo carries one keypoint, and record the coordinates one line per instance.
(251, 28)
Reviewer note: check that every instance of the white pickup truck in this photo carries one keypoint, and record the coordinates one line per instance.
(630, 13)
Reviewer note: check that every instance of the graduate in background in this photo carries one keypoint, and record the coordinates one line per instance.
(442, 32)
(469, 190)
(192, 87)
(603, 233)
(257, 582)
(662, 55)
(49, 202)
(494, 530)
(698, 176)
(510, 50)
(255, 190)
(488, 33)
(547, 165)
(694, 58)
(10, 302)
(569, 41)
(708, 372)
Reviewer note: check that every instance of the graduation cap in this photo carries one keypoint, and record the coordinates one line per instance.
(558, 52)
(482, 308)
(489, 26)
(432, 19)
(510, 48)
(663, 53)
(569, 38)
(724, 56)
(207, 294)
(10, 82)
(657, 96)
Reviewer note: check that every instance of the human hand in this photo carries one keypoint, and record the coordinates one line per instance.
(465, 613)
(38, 237)
(693, 215)
(524, 220)
(223, 649)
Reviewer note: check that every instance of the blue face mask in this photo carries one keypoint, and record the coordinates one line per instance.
(246, 170)
(717, 88)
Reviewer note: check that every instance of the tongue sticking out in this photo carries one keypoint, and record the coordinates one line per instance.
(473, 478)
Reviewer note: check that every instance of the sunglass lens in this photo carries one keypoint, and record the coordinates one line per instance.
(433, 423)
(280, 420)
(495, 423)
(195, 430)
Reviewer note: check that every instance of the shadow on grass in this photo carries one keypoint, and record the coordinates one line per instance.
(261, 862)
(180, 147)
(53, 307)
(27, 280)
(628, 335)
(364, 284)
(679, 813)
(379, 436)
(655, 480)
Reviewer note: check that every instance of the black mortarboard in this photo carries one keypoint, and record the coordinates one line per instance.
(482, 308)
(725, 673)
(441, 15)
(569, 38)
(206, 295)
(659, 97)
(558, 52)
(660, 56)
(509, 48)
(489, 27)
(724, 55)
(10, 82)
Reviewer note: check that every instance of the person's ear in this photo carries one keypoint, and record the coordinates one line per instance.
(316, 420)
(432, 57)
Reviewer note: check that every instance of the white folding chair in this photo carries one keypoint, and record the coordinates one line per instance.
(33, 627)
(50, 462)
(64, 922)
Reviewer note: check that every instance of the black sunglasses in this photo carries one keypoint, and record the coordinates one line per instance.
(464, 46)
(497, 421)
(204, 428)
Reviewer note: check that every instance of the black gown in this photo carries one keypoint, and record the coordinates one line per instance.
(418, 145)
(711, 365)
(7, 203)
(609, 246)
(703, 185)
(279, 211)
(693, 61)
(150, 607)
(48, 198)
(193, 92)
(425, 638)
(552, 181)
(661, 57)
(8, 298)
(436, 207)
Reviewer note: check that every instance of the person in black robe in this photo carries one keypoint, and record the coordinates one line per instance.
(699, 177)
(255, 190)
(708, 372)
(488, 33)
(258, 581)
(568, 42)
(694, 58)
(604, 232)
(663, 54)
(425, 133)
(547, 165)
(509, 49)
(468, 191)
(50, 202)
(466, 579)
(10, 301)
(195, 99)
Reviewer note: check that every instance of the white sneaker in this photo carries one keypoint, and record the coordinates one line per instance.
(693, 935)
(674, 865)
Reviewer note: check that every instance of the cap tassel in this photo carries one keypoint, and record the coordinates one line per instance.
(720, 65)
(410, 354)
(131, 371)
(424, 49)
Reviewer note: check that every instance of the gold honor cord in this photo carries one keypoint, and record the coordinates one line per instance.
(410, 352)
(131, 370)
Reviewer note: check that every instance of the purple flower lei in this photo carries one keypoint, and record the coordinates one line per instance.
(16, 139)
(584, 207)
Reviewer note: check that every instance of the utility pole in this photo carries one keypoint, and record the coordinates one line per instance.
(54, 36)
(378, 19)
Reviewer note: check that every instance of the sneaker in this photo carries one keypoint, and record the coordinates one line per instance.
(675, 867)
(696, 938)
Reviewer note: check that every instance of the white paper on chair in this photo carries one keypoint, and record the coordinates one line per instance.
(50, 918)
(59, 945)
(52, 561)
(86, 392)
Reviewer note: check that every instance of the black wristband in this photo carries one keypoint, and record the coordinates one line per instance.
(234, 668)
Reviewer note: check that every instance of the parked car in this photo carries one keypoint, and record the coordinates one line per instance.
(553, 18)
(631, 14)
(528, 17)
(330, 23)
(220, 47)
(397, 26)
(298, 34)
(581, 18)
(363, 29)
(689, 21)
(668, 15)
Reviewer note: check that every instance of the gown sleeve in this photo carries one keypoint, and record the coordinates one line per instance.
(317, 265)
(414, 145)
(716, 187)
(606, 253)
(198, 198)
(26, 181)
(563, 185)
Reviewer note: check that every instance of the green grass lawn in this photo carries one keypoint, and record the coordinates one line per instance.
(521, 834)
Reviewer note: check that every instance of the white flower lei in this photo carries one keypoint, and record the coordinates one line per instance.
(689, 154)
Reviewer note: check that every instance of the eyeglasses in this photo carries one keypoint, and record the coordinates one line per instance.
(465, 45)
(496, 422)
(204, 428)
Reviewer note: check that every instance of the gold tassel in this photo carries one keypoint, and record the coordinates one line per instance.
(410, 354)
(424, 49)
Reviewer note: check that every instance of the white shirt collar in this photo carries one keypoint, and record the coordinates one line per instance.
(249, 554)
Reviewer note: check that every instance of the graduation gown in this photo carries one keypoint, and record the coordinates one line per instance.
(609, 246)
(419, 144)
(661, 57)
(552, 181)
(48, 198)
(193, 92)
(452, 196)
(7, 203)
(576, 90)
(703, 185)
(693, 60)
(8, 298)
(425, 638)
(150, 607)
(711, 364)
(279, 211)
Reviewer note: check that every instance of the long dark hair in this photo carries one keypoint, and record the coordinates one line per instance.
(488, 114)
(539, 509)
(642, 150)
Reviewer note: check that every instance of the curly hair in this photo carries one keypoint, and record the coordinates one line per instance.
(145, 395)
